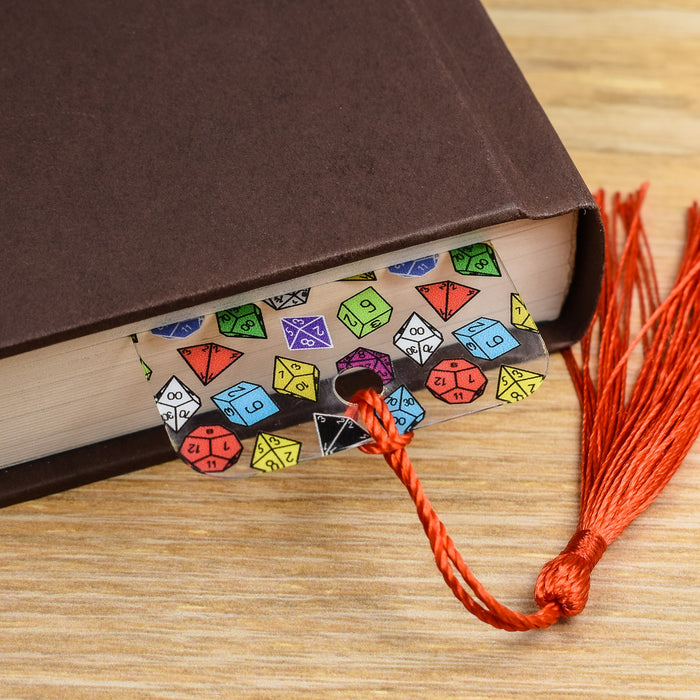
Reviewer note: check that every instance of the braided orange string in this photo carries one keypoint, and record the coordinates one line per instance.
(632, 440)
(391, 444)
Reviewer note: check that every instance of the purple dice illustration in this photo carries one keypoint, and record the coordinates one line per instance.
(378, 362)
(306, 333)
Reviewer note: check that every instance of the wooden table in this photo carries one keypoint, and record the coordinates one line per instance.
(318, 582)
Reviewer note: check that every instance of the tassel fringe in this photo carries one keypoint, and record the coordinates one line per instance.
(635, 433)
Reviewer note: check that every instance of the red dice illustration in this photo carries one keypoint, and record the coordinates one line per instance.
(211, 448)
(456, 381)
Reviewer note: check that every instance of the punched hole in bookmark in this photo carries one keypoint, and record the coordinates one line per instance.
(347, 384)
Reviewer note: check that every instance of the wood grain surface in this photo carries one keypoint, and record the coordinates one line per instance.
(318, 582)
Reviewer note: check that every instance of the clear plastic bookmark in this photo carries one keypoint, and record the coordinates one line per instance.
(262, 386)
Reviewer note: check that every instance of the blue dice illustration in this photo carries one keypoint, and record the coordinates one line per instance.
(245, 403)
(406, 410)
(182, 329)
(486, 338)
(415, 268)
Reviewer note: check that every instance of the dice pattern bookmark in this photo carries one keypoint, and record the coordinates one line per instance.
(252, 388)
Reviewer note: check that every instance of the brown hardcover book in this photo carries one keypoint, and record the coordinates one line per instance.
(162, 159)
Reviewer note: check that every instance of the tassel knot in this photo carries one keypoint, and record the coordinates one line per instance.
(566, 579)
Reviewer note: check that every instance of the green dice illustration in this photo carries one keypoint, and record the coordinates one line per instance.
(476, 259)
(364, 312)
(242, 322)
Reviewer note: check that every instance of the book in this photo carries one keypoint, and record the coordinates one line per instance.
(158, 163)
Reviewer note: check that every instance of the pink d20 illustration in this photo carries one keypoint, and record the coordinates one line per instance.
(378, 362)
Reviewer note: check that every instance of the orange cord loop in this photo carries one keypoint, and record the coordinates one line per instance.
(381, 425)
(390, 443)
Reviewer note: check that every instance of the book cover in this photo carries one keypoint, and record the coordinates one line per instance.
(159, 158)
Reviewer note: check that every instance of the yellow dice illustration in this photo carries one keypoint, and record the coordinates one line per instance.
(272, 452)
(519, 315)
(296, 378)
(515, 384)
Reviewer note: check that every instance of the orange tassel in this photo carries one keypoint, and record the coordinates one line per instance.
(634, 434)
